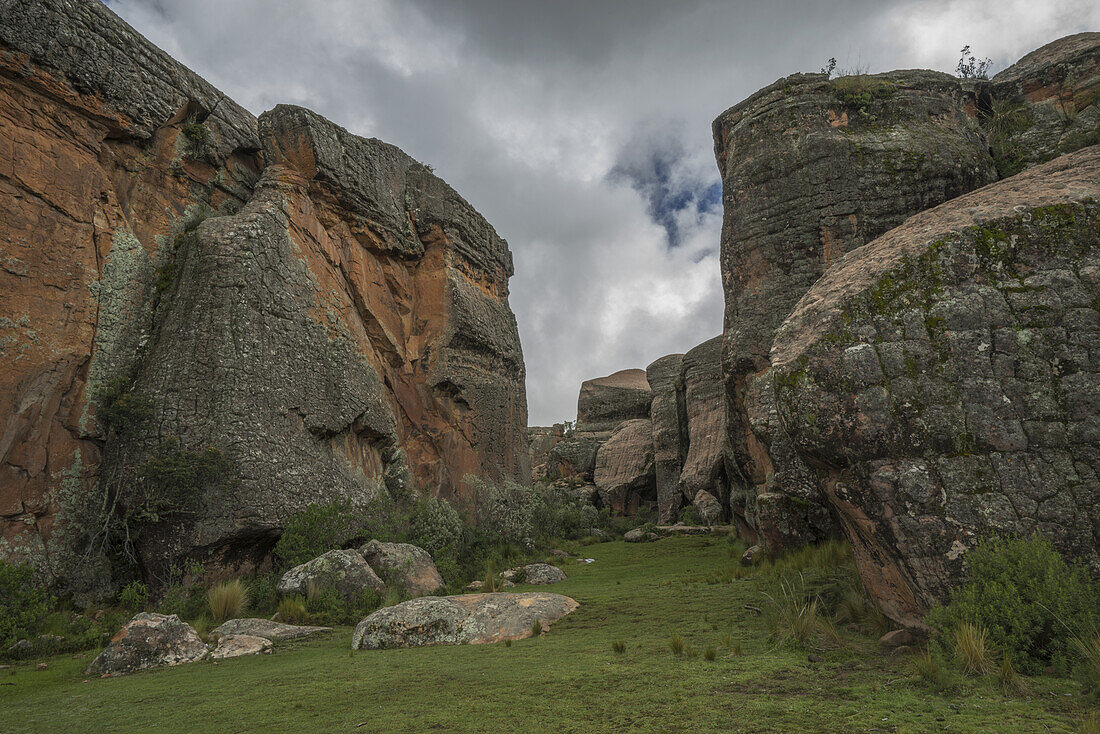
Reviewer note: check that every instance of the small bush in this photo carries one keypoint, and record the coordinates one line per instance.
(676, 645)
(227, 600)
(134, 596)
(434, 525)
(313, 531)
(859, 91)
(710, 654)
(327, 606)
(972, 649)
(263, 597)
(1010, 681)
(24, 604)
(1028, 599)
(536, 628)
(618, 647)
(292, 610)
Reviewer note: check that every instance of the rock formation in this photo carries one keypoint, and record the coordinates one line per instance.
(149, 641)
(668, 416)
(292, 313)
(813, 168)
(943, 382)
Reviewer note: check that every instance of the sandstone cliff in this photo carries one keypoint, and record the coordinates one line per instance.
(287, 311)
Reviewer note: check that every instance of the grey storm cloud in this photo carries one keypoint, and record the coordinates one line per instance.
(579, 128)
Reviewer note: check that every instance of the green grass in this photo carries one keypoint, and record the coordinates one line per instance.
(572, 679)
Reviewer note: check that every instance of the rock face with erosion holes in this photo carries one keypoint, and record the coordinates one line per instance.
(149, 641)
(457, 620)
(304, 315)
(944, 381)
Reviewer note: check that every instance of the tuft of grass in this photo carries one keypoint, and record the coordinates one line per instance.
(536, 628)
(507, 643)
(1090, 724)
(930, 669)
(292, 610)
(676, 645)
(227, 600)
(710, 654)
(491, 583)
(618, 647)
(793, 618)
(1010, 681)
(972, 650)
(1087, 670)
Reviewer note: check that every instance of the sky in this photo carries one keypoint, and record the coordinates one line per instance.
(579, 128)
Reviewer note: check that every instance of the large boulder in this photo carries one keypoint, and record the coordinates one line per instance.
(943, 381)
(407, 566)
(1045, 105)
(338, 322)
(343, 570)
(456, 620)
(265, 628)
(574, 456)
(606, 402)
(667, 413)
(812, 168)
(624, 468)
(149, 641)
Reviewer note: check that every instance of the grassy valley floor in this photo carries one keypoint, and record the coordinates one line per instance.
(569, 680)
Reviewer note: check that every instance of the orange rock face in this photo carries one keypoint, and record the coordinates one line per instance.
(320, 309)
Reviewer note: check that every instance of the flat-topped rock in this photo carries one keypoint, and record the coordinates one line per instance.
(605, 402)
(235, 646)
(266, 628)
(456, 620)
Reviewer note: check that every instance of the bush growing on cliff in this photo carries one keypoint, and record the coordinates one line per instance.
(315, 530)
(23, 603)
(1029, 599)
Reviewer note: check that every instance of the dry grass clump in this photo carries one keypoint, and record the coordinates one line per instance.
(972, 649)
(1010, 681)
(227, 600)
(676, 645)
(930, 669)
(292, 610)
(794, 617)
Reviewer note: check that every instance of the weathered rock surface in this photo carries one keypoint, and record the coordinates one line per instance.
(624, 468)
(335, 328)
(539, 574)
(541, 439)
(343, 570)
(811, 169)
(709, 508)
(235, 646)
(149, 641)
(456, 620)
(668, 415)
(408, 566)
(708, 463)
(943, 381)
(574, 456)
(640, 535)
(606, 402)
(1045, 105)
(269, 630)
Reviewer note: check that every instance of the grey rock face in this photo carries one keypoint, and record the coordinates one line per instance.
(869, 152)
(668, 414)
(542, 573)
(456, 620)
(343, 570)
(408, 566)
(574, 456)
(606, 402)
(274, 631)
(235, 646)
(709, 508)
(149, 641)
(624, 468)
(708, 464)
(944, 380)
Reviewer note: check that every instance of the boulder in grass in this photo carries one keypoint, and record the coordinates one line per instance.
(456, 620)
(235, 646)
(265, 628)
(405, 565)
(149, 641)
(538, 574)
(343, 570)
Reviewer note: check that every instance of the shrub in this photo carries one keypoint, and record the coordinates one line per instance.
(929, 668)
(327, 606)
(1026, 596)
(24, 604)
(972, 67)
(1008, 679)
(676, 645)
(434, 525)
(263, 598)
(859, 91)
(227, 600)
(292, 610)
(313, 531)
(972, 649)
(134, 596)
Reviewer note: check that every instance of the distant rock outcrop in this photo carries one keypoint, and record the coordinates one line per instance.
(944, 381)
(624, 468)
(321, 309)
